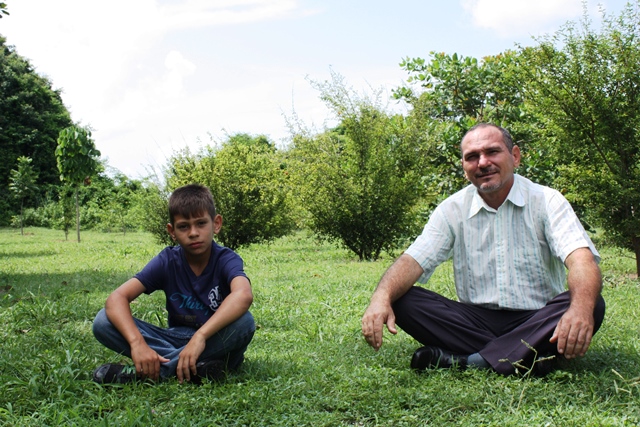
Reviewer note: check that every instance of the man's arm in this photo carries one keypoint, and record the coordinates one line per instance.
(575, 329)
(395, 282)
(232, 308)
(118, 309)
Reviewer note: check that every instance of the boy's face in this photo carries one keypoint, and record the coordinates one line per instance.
(195, 234)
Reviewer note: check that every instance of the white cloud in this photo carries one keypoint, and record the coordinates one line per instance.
(225, 12)
(521, 17)
(178, 68)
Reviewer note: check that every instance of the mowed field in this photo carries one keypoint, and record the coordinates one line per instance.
(308, 364)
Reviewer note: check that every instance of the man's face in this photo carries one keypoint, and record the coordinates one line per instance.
(488, 164)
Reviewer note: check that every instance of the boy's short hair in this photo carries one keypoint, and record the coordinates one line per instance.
(190, 200)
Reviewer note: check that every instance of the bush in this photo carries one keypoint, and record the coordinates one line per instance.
(359, 181)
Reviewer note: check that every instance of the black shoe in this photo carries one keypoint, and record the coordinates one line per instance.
(213, 370)
(113, 373)
(434, 357)
(544, 365)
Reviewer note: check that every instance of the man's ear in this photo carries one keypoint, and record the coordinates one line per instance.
(170, 231)
(217, 224)
(515, 152)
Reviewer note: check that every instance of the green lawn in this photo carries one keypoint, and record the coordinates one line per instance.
(308, 363)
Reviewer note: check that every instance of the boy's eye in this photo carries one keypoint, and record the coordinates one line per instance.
(182, 227)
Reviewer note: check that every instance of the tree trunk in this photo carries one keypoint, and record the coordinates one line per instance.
(77, 215)
(21, 218)
(636, 249)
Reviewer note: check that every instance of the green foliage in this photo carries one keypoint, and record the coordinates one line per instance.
(151, 207)
(584, 86)
(359, 181)
(451, 93)
(3, 9)
(76, 155)
(249, 183)
(308, 364)
(23, 182)
(31, 116)
(77, 159)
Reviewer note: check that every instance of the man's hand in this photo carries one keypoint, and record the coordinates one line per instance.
(395, 282)
(147, 361)
(573, 333)
(375, 317)
(189, 357)
(575, 328)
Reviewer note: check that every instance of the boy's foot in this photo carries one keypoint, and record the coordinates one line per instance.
(114, 373)
(213, 370)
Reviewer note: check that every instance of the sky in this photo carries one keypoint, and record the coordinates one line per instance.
(151, 77)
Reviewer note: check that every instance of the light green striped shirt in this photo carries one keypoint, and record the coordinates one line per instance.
(510, 258)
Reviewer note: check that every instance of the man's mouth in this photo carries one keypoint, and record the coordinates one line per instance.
(486, 174)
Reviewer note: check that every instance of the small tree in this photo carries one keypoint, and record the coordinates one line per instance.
(585, 88)
(451, 93)
(360, 180)
(23, 183)
(77, 160)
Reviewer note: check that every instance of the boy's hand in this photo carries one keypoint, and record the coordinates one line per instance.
(147, 361)
(189, 357)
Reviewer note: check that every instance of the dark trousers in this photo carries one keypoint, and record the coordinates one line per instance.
(498, 335)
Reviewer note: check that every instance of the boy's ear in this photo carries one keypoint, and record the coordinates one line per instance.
(217, 224)
(170, 231)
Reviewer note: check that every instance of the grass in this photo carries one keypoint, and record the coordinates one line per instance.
(308, 364)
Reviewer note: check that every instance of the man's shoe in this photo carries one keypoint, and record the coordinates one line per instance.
(113, 373)
(544, 365)
(213, 370)
(434, 357)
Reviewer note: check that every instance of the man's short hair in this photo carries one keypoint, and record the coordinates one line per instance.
(191, 200)
(506, 136)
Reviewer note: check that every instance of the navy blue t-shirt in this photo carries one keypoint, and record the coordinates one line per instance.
(191, 300)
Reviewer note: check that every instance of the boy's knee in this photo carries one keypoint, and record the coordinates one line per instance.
(101, 323)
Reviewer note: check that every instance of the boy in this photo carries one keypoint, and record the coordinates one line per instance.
(207, 294)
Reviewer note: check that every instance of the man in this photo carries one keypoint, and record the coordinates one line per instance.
(509, 239)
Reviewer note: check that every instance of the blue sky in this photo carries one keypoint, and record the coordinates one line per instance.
(153, 76)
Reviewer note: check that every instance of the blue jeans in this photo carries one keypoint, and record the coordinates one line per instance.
(229, 344)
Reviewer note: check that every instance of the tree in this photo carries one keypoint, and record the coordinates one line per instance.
(3, 9)
(22, 183)
(77, 160)
(451, 93)
(585, 87)
(358, 181)
(248, 181)
(31, 117)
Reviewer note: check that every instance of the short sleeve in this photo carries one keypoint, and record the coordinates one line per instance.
(434, 245)
(564, 231)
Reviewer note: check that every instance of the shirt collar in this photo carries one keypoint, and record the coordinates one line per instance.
(515, 196)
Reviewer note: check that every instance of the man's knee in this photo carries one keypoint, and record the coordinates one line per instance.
(598, 313)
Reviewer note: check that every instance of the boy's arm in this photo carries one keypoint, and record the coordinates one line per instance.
(232, 308)
(117, 307)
